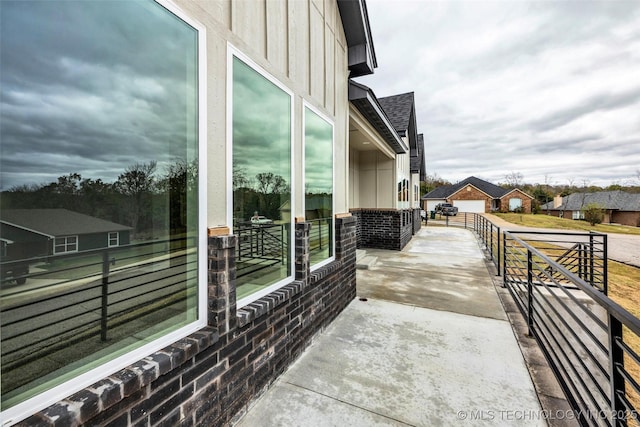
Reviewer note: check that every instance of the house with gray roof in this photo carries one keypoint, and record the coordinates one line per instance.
(620, 207)
(477, 195)
(44, 232)
(386, 165)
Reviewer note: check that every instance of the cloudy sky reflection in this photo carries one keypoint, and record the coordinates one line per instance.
(261, 124)
(318, 154)
(92, 88)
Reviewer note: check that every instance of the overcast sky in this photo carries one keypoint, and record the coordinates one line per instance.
(548, 89)
(92, 88)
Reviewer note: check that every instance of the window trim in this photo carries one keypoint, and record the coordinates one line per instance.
(232, 52)
(512, 206)
(65, 244)
(117, 239)
(306, 104)
(58, 393)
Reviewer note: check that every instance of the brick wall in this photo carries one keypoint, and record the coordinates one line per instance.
(209, 378)
(384, 228)
(626, 218)
(417, 220)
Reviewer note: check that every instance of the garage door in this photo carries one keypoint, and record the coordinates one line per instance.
(431, 204)
(469, 205)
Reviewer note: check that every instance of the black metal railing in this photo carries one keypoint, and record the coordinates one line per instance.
(583, 254)
(260, 246)
(320, 234)
(94, 298)
(558, 281)
(489, 234)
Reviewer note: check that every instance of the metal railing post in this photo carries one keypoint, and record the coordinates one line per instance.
(104, 312)
(616, 365)
(491, 240)
(591, 254)
(529, 293)
(504, 261)
(498, 257)
(605, 262)
(283, 231)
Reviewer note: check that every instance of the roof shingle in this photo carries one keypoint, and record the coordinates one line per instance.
(614, 200)
(482, 185)
(398, 109)
(58, 222)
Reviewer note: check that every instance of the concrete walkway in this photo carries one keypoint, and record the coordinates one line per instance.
(426, 343)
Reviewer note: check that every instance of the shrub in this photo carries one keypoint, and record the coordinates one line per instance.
(593, 213)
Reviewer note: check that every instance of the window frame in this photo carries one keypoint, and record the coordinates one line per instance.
(55, 394)
(232, 52)
(326, 118)
(56, 244)
(117, 239)
(512, 206)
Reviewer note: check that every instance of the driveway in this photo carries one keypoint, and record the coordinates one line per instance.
(623, 248)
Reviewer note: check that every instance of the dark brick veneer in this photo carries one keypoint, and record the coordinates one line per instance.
(208, 378)
(386, 228)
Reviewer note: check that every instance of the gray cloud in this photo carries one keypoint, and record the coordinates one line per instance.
(92, 89)
(597, 102)
(548, 89)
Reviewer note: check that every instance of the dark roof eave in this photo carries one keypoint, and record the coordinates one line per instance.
(357, 31)
(366, 102)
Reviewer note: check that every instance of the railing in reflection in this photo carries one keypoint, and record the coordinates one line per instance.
(320, 235)
(260, 246)
(87, 301)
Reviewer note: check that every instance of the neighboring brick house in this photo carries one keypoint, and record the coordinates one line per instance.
(476, 195)
(386, 165)
(619, 207)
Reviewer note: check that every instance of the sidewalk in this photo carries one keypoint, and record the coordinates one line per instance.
(426, 343)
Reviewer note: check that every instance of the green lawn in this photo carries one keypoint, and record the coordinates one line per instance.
(547, 221)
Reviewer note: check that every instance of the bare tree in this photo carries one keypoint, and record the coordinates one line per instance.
(137, 183)
(137, 178)
(240, 179)
(267, 183)
(514, 179)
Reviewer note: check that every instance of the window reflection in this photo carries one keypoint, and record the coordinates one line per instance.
(261, 180)
(319, 185)
(99, 197)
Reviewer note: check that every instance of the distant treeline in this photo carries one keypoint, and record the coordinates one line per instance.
(542, 193)
(141, 198)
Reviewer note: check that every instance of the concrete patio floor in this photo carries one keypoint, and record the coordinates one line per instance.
(426, 343)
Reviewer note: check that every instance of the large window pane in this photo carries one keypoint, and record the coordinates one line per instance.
(99, 196)
(318, 172)
(261, 180)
